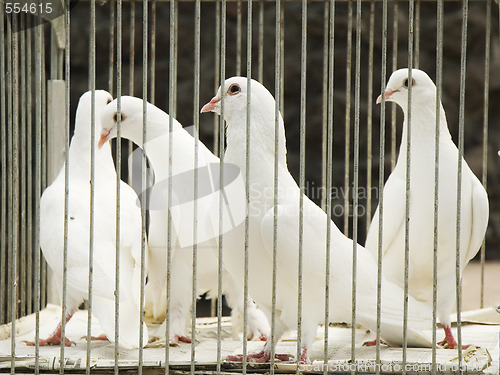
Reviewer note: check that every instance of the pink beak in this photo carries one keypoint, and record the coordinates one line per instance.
(387, 95)
(210, 106)
(104, 137)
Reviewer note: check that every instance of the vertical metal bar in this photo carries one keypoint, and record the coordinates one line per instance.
(357, 83)
(196, 122)
(329, 172)
(302, 175)
(261, 43)
(417, 34)
(131, 50)
(369, 122)
(15, 185)
(131, 77)
(213, 306)
(111, 58)
(347, 118)
(439, 73)
(3, 161)
(29, 106)
(92, 72)
(171, 106)
(411, 5)
(221, 180)
(383, 78)
(461, 120)
(43, 276)
(38, 184)
(394, 67)
(485, 129)
(218, 80)
(282, 62)
(23, 194)
(9, 167)
(118, 161)
(152, 56)
(144, 179)
(277, 88)
(247, 184)
(64, 310)
(176, 40)
(238, 38)
(324, 119)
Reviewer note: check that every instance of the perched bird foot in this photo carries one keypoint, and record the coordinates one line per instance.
(374, 342)
(52, 340)
(175, 340)
(102, 337)
(261, 337)
(304, 359)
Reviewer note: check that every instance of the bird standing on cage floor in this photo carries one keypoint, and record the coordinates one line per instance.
(104, 244)
(261, 183)
(181, 211)
(473, 202)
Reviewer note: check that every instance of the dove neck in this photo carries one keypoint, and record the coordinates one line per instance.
(80, 154)
(262, 137)
(423, 125)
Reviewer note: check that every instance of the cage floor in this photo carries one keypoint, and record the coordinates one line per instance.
(481, 357)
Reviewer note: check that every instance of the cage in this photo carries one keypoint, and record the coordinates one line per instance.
(325, 62)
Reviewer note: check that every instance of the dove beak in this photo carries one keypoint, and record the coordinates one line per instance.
(104, 137)
(387, 95)
(211, 105)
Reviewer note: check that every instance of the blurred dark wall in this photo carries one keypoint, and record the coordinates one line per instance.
(474, 100)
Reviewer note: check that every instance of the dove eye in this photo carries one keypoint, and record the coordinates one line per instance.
(115, 117)
(406, 82)
(234, 89)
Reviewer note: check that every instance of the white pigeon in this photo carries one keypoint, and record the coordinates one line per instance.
(156, 147)
(52, 232)
(261, 184)
(474, 202)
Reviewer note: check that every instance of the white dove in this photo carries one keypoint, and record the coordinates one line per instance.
(52, 233)
(474, 202)
(261, 184)
(156, 147)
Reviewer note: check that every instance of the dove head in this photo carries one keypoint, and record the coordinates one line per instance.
(131, 121)
(262, 113)
(423, 90)
(83, 114)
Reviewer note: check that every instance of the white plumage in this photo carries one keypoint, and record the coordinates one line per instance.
(156, 147)
(52, 231)
(261, 184)
(474, 202)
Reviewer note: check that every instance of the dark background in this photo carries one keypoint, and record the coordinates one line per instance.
(452, 23)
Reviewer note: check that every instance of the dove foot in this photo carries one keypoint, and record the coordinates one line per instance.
(261, 337)
(449, 341)
(52, 340)
(374, 342)
(102, 337)
(261, 357)
(304, 359)
(180, 338)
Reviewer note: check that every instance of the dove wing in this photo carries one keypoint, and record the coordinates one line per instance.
(394, 213)
(480, 215)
